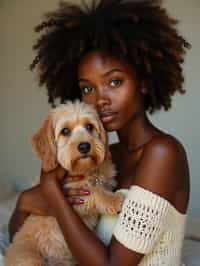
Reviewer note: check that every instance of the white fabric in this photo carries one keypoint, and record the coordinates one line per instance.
(1, 260)
(4, 241)
(6, 209)
(105, 227)
(147, 224)
(190, 254)
(193, 229)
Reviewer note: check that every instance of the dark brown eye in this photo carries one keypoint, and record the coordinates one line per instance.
(65, 131)
(86, 90)
(89, 127)
(115, 82)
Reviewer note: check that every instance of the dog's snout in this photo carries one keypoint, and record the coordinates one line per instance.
(84, 147)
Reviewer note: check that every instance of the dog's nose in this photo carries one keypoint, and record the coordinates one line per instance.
(84, 147)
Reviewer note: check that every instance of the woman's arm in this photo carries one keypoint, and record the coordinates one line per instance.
(160, 172)
(30, 201)
(84, 244)
(17, 219)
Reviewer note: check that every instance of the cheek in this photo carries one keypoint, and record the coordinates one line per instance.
(62, 144)
(99, 150)
(125, 93)
(123, 101)
(89, 99)
(62, 152)
(129, 99)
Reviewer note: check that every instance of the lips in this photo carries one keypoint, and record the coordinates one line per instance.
(107, 116)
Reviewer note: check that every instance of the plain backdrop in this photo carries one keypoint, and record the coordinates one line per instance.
(23, 105)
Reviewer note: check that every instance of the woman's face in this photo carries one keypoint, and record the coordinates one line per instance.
(109, 83)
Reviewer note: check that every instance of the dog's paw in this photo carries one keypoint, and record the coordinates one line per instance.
(119, 201)
(115, 204)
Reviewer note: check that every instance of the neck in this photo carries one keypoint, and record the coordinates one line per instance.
(137, 132)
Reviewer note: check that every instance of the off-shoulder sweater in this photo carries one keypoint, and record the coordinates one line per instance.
(147, 224)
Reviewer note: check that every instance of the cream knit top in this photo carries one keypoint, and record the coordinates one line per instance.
(147, 224)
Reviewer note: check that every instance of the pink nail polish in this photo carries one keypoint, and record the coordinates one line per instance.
(81, 201)
(86, 192)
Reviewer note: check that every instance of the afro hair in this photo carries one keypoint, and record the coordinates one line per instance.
(139, 30)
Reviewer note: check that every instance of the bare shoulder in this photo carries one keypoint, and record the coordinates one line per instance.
(163, 168)
(167, 146)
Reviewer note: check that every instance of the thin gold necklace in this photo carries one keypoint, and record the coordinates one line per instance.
(134, 149)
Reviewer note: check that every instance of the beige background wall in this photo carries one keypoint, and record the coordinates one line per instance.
(23, 105)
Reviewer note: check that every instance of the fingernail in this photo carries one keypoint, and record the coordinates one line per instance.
(86, 192)
(81, 201)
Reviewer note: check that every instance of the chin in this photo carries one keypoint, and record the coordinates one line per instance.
(84, 164)
(109, 127)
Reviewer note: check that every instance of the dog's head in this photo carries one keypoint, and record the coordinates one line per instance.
(73, 136)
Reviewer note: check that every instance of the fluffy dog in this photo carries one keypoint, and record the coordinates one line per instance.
(73, 136)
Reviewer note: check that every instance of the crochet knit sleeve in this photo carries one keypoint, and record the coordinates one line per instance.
(143, 219)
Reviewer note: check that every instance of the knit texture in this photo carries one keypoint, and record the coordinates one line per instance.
(150, 225)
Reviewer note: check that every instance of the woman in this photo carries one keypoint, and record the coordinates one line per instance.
(124, 57)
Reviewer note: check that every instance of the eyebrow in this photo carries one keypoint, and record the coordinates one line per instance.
(104, 75)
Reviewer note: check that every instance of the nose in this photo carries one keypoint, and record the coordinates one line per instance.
(102, 99)
(101, 103)
(84, 147)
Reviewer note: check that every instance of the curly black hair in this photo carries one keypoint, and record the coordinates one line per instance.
(139, 30)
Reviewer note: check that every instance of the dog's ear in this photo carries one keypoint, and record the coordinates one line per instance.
(43, 143)
(104, 138)
(103, 133)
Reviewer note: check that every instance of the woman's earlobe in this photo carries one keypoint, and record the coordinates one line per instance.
(143, 88)
(144, 91)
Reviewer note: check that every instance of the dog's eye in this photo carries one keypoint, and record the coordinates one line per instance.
(89, 127)
(65, 131)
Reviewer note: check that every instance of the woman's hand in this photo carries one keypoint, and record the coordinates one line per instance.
(35, 200)
(49, 180)
(74, 195)
(53, 181)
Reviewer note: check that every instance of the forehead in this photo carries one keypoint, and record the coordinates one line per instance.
(73, 120)
(99, 61)
(72, 116)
